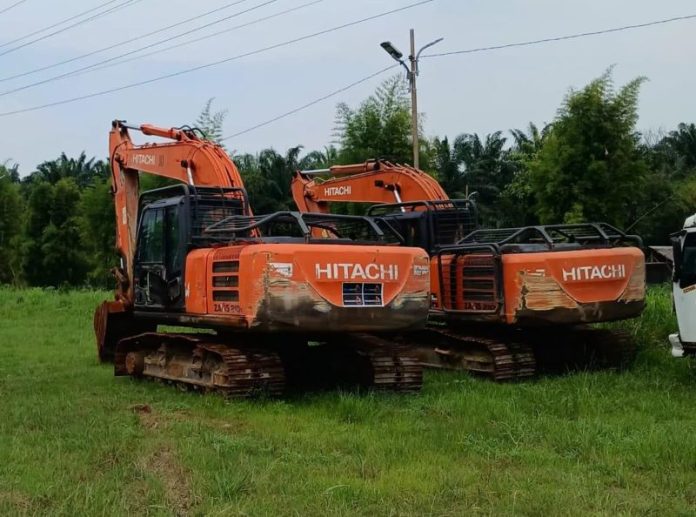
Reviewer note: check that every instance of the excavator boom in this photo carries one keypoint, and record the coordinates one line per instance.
(369, 182)
(186, 158)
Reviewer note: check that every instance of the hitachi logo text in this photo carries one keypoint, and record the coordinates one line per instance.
(357, 272)
(605, 272)
(143, 159)
(337, 191)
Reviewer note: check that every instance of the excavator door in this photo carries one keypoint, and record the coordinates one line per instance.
(160, 255)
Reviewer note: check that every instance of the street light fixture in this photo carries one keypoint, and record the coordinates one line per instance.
(392, 51)
(411, 74)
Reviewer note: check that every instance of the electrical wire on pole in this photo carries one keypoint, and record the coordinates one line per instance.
(214, 63)
(16, 4)
(201, 38)
(310, 104)
(563, 38)
(91, 67)
(123, 42)
(115, 8)
(61, 22)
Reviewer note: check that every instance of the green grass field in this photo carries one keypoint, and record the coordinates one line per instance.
(74, 440)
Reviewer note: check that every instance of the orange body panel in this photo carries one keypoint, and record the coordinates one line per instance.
(317, 288)
(579, 286)
(196, 282)
(582, 282)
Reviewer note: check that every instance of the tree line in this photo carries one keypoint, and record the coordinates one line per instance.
(589, 164)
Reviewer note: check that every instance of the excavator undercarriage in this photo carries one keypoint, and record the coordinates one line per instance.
(517, 354)
(237, 366)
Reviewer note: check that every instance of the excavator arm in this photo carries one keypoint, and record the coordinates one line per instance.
(183, 156)
(374, 181)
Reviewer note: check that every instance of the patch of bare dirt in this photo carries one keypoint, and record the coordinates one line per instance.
(164, 465)
(228, 426)
(147, 417)
(20, 503)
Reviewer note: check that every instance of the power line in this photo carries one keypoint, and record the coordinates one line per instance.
(208, 36)
(65, 20)
(12, 6)
(93, 65)
(312, 103)
(124, 42)
(117, 7)
(481, 49)
(562, 38)
(214, 63)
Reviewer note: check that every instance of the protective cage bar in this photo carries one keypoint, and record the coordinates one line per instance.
(552, 235)
(470, 280)
(357, 229)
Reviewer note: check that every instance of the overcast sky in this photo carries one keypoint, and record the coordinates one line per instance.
(480, 92)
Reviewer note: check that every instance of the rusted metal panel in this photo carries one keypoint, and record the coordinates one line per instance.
(580, 286)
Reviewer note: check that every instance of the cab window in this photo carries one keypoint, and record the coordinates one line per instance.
(688, 265)
(151, 246)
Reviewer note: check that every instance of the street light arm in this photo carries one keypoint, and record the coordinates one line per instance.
(428, 46)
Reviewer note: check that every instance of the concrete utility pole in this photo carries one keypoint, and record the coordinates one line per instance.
(411, 74)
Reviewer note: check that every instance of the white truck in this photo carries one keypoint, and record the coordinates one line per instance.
(684, 289)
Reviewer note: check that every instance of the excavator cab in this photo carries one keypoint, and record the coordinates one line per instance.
(171, 222)
(430, 224)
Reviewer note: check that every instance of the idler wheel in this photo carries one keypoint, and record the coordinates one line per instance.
(135, 363)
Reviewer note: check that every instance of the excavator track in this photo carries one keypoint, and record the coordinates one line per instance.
(499, 359)
(389, 367)
(523, 353)
(197, 362)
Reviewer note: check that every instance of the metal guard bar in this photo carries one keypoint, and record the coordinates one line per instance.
(305, 221)
(471, 249)
(543, 232)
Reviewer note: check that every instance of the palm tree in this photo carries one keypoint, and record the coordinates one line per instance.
(487, 169)
(449, 173)
(319, 159)
(82, 170)
(529, 143)
(683, 143)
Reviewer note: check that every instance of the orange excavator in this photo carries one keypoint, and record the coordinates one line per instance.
(505, 302)
(259, 289)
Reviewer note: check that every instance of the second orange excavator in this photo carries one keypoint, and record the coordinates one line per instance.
(259, 289)
(505, 302)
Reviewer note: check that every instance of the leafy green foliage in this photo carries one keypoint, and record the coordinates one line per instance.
(97, 222)
(267, 175)
(211, 122)
(379, 128)
(11, 217)
(80, 169)
(55, 256)
(589, 166)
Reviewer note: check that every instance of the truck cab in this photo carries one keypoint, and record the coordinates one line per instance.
(684, 289)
